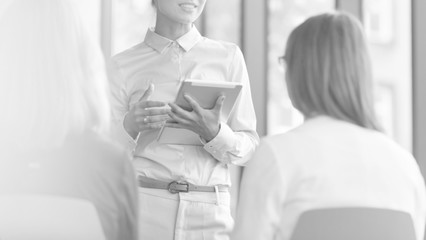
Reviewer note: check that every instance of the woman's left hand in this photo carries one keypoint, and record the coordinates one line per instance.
(204, 122)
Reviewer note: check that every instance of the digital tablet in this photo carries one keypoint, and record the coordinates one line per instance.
(205, 93)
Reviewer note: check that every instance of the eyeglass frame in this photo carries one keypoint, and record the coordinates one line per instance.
(282, 61)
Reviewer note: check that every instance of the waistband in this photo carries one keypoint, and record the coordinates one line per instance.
(178, 186)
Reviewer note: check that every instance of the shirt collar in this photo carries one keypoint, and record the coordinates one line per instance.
(160, 43)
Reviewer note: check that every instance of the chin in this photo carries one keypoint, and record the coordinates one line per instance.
(186, 20)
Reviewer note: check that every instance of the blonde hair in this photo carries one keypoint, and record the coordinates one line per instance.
(328, 69)
(53, 81)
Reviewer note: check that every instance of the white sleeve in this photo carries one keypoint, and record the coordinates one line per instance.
(237, 138)
(419, 211)
(119, 107)
(261, 197)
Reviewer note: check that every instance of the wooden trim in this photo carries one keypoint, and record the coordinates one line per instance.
(254, 46)
(419, 82)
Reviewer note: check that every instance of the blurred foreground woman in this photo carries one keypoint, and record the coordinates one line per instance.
(55, 113)
(338, 157)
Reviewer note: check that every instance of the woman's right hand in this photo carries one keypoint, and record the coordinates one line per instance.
(146, 114)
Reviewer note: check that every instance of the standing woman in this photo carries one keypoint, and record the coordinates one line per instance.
(145, 80)
(338, 157)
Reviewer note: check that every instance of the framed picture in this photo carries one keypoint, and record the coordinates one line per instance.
(378, 21)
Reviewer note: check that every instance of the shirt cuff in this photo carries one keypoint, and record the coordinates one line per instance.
(223, 141)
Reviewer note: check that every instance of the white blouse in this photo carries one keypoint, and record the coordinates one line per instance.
(166, 63)
(325, 163)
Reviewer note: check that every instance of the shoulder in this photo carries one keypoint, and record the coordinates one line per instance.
(109, 151)
(219, 45)
(273, 147)
(124, 64)
(97, 150)
(393, 149)
(123, 57)
(295, 145)
(280, 147)
(290, 139)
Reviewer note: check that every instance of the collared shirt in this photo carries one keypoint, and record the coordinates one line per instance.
(166, 63)
(326, 163)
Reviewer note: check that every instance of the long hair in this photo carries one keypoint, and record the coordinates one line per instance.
(52, 76)
(329, 69)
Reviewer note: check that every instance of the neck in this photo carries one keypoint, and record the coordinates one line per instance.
(170, 29)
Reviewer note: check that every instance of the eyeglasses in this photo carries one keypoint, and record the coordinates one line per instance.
(282, 61)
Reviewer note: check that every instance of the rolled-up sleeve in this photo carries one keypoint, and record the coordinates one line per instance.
(237, 138)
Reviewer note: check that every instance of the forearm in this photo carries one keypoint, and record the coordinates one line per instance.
(233, 147)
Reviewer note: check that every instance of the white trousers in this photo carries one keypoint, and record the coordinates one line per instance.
(184, 216)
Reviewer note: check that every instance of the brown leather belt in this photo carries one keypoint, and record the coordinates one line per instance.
(178, 186)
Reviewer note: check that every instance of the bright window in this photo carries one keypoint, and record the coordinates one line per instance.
(130, 21)
(91, 14)
(223, 24)
(388, 28)
(284, 16)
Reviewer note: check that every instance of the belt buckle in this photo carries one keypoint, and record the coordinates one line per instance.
(173, 187)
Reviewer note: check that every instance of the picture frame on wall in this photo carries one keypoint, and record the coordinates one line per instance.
(378, 20)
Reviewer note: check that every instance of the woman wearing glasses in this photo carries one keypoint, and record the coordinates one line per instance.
(338, 157)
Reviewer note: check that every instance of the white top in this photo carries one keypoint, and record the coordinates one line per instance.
(326, 163)
(166, 63)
